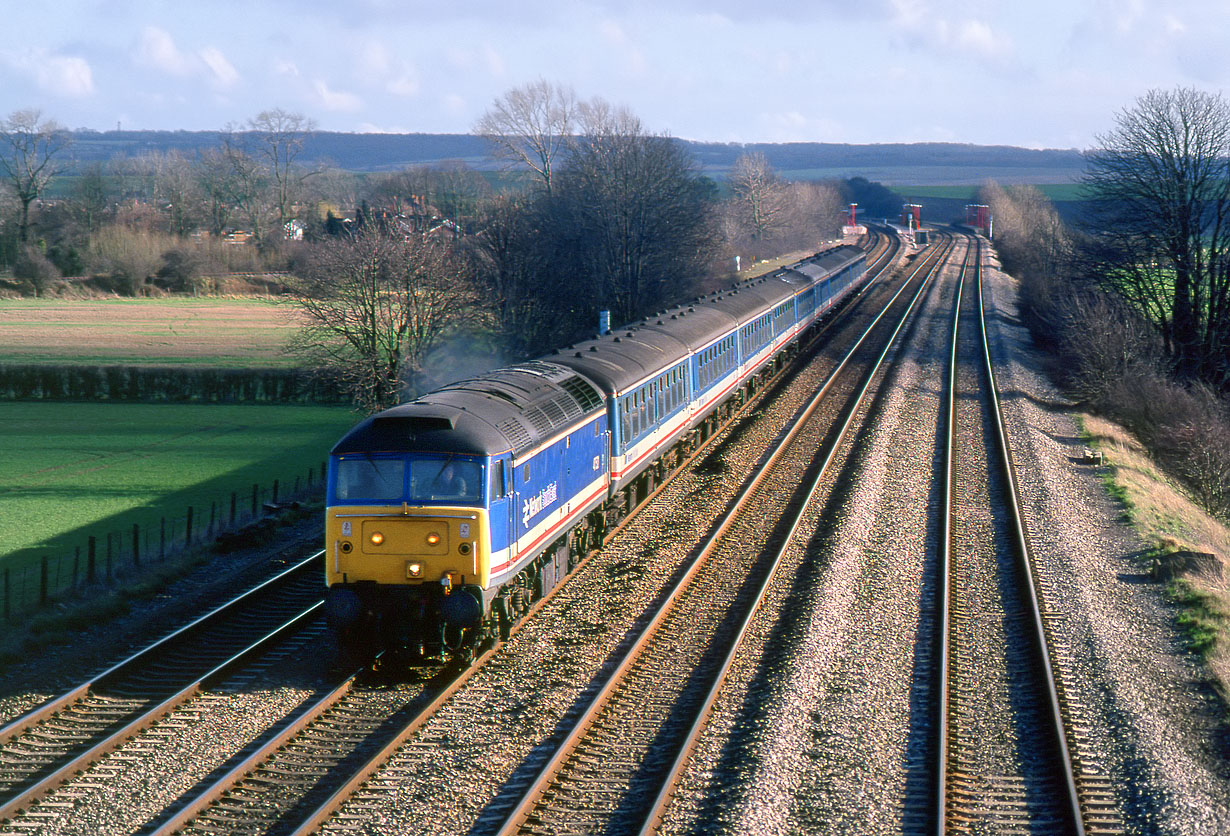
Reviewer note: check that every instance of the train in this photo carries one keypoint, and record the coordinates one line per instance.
(448, 516)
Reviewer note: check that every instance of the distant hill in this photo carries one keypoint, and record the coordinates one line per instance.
(895, 163)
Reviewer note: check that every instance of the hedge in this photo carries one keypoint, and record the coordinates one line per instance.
(157, 384)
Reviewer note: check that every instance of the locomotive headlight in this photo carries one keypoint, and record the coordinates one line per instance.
(433, 539)
(377, 538)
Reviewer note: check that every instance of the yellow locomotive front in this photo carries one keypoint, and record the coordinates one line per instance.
(408, 546)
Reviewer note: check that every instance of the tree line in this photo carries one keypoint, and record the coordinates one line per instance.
(592, 212)
(1136, 297)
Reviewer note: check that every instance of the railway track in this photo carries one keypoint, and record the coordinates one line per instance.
(1007, 756)
(45, 747)
(616, 769)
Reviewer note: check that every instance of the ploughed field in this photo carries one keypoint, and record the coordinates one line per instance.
(233, 333)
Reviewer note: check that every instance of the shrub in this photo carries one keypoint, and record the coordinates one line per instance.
(33, 267)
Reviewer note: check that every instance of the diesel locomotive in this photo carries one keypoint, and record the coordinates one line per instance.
(448, 516)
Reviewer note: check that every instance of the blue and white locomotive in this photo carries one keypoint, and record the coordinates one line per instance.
(446, 517)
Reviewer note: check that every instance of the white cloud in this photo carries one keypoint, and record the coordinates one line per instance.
(494, 61)
(224, 75)
(157, 50)
(977, 37)
(613, 33)
(66, 75)
(55, 74)
(405, 85)
(335, 100)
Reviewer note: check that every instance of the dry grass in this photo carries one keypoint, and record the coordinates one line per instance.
(1167, 517)
(206, 331)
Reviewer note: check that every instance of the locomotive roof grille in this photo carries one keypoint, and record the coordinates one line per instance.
(539, 419)
(515, 433)
(586, 396)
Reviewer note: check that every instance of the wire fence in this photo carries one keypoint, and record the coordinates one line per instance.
(105, 559)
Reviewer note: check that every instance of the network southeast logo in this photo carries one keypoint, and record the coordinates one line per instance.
(535, 504)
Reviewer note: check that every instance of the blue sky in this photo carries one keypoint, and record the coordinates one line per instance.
(1037, 73)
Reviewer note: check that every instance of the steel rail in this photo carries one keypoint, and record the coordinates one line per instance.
(31, 794)
(1025, 553)
(58, 704)
(943, 593)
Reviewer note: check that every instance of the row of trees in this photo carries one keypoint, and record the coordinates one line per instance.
(594, 212)
(1134, 298)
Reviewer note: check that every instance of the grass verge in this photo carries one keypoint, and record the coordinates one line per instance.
(1166, 516)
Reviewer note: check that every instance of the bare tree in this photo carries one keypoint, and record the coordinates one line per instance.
(762, 200)
(530, 126)
(630, 214)
(90, 197)
(816, 212)
(176, 191)
(375, 305)
(247, 188)
(1161, 181)
(30, 155)
(507, 250)
(214, 175)
(279, 135)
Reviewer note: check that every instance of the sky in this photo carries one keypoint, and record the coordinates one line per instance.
(1032, 73)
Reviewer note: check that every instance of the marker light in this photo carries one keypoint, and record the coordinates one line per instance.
(377, 538)
(433, 539)
(414, 570)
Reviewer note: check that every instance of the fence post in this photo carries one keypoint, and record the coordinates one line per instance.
(188, 532)
(91, 561)
(162, 539)
(136, 545)
(233, 500)
(255, 488)
(213, 511)
(42, 583)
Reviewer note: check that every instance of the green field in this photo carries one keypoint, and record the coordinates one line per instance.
(234, 333)
(73, 469)
(1055, 191)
